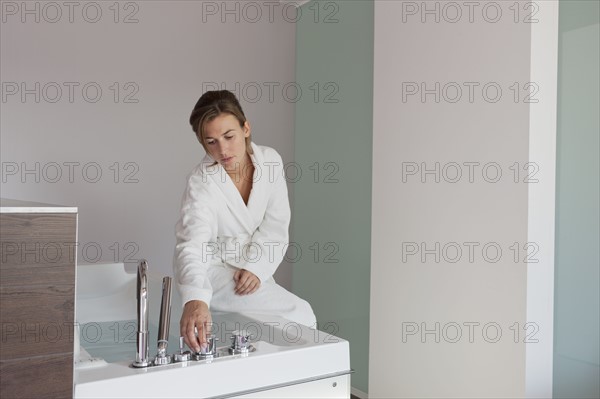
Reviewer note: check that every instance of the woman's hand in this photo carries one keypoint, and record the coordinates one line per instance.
(245, 282)
(195, 316)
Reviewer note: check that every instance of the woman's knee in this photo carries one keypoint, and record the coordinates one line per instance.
(308, 316)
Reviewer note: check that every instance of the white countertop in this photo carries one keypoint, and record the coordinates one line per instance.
(17, 206)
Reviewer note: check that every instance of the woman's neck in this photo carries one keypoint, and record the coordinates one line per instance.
(241, 172)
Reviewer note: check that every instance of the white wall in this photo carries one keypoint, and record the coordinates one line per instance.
(164, 61)
(465, 302)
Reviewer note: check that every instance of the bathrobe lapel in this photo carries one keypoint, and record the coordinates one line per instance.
(230, 193)
(260, 188)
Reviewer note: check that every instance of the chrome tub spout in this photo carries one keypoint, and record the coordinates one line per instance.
(141, 351)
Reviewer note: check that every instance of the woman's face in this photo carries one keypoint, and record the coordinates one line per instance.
(225, 141)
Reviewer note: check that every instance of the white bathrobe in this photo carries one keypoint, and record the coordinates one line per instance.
(218, 234)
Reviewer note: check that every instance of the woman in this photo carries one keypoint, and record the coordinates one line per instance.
(233, 226)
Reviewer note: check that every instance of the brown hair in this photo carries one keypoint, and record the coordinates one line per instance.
(212, 104)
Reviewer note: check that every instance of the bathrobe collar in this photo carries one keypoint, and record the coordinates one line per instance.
(230, 193)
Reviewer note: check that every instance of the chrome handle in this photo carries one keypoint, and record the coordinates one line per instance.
(141, 354)
(240, 342)
(163, 324)
(181, 356)
(165, 317)
(208, 352)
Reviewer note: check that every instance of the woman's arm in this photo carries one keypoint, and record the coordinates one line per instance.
(195, 228)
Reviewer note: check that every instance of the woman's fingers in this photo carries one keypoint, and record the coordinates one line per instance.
(195, 324)
(189, 336)
(242, 283)
(193, 338)
(252, 289)
(202, 332)
(247, 283)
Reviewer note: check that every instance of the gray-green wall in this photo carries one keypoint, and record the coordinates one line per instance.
(577, 274)
(332, 208)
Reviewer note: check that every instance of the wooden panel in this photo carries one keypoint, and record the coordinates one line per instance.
(36, 320)
(37, 299)
(38, 377)
(37, 248)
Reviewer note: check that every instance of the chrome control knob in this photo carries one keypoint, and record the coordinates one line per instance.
(162, 360)
(181, 356)
(208, 352)
(240, 342)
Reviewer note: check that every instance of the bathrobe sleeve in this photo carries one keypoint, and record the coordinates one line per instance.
(271, 238)
(195, 229)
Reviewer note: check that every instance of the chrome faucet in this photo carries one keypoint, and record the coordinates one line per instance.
(240, 344)
(141, 349)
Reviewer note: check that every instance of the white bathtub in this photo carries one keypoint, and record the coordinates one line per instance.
(290, 360)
